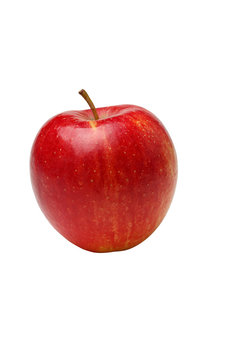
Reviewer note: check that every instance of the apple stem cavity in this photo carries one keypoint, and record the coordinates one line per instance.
(85, 95)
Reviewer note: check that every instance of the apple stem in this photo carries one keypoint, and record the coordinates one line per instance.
(90, 103)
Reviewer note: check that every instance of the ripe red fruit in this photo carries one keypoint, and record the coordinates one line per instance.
(104, 182)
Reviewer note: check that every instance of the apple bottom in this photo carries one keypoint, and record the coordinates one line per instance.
(107, 226)
(118, 245)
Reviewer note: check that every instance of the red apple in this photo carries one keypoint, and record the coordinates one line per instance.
(104, 177)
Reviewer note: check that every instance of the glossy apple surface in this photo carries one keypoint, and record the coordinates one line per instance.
(104, 184)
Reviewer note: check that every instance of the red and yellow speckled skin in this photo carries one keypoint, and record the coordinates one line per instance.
(105, 185)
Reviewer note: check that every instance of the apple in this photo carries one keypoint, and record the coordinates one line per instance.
(104, 177)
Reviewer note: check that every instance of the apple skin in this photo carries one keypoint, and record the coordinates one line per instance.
(105, 184)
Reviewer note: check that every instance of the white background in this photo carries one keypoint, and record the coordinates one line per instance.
(177, 295)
